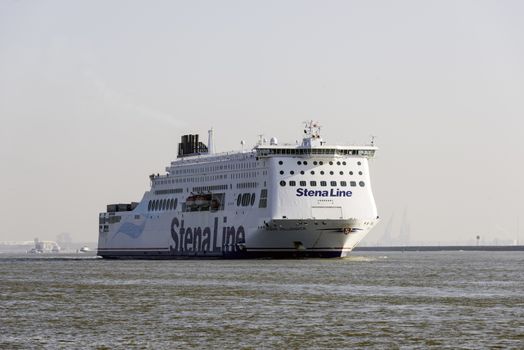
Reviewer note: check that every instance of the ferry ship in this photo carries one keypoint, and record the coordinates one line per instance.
(309, 199)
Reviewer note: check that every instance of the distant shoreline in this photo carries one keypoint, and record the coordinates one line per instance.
(502, 248)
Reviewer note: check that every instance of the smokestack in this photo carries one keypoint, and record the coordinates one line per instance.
(210, 145)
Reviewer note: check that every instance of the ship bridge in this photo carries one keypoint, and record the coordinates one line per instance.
(291, 150)
(312, 145)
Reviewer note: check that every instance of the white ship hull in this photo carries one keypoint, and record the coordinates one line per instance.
(174, 236)
(275, 201)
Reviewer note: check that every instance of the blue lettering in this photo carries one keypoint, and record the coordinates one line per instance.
(216, 247)
(229, 241)
(204, 240)
(188, 240)
(304, 192)
(197, 239)
(182, 232)
(241, 235)
(174, 234)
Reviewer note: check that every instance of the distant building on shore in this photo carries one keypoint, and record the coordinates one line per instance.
(45, 247)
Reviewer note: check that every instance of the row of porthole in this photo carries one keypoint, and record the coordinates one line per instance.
(312, 172)
(319, 163)
(162, 204)
(323, 183)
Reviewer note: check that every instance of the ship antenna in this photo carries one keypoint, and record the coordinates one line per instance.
(372, 140)
(312, 129)
(308, 127)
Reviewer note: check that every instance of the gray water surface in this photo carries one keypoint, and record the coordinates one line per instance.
(370, 300)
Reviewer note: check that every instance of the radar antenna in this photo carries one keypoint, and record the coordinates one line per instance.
(312, 129)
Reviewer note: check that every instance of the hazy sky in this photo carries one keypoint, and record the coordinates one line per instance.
(94, 96)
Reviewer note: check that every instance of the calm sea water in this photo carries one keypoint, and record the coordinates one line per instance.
(384, 300)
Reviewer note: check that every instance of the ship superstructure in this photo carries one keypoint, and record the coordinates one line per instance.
(309, 199)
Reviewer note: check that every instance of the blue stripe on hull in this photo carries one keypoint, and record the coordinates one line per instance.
(165, 255)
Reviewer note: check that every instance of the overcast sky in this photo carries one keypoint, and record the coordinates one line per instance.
(94, 96)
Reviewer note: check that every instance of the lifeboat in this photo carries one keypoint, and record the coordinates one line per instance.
(191, 201)
(215, 204)
(202, 200)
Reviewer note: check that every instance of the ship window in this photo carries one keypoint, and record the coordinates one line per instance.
(343, 163)
(315, 162)
(245, 199)
(341, 173)
(343, 183)
(303, 183)
(175, 204)
(292, 183)
(362, 184)
(330, 163)
(331, 173)
(353, 183)
(292, 172)
(281, 172)
(263, 199)
(302, 172)
(312, 183)
(321, 163)
(149, 206)
(323, 183)
(338, 163)
(350, 173)
(359, 163)
(360, 172)
(299, 162)
(252, 199)
(333, 183)
(239, 198)
(305, 162)
(312, 172)
(282, 183)
(280, 162)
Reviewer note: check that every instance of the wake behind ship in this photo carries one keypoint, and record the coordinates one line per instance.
(281, 201)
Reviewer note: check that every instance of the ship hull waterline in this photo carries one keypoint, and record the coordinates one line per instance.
(279, 239)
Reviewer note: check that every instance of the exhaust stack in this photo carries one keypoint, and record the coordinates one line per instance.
(210, 145)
